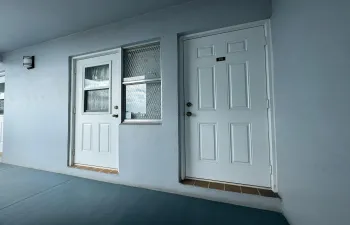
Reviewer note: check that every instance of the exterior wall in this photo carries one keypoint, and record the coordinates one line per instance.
(2, 67)
(36, 120)
(312, 54)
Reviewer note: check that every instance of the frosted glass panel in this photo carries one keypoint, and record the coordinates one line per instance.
(2, 106)
(2, 96)
(2, 90)
(2, 87)
(143, 101)
(97, 76)
(97, 100)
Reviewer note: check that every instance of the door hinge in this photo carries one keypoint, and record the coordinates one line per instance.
(74, 110)
(268, 104)
(73, 152)
(270, 169)
(266, 40)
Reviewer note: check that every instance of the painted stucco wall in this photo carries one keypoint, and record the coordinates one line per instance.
(36, 120)
(2, 67)
(312, 65)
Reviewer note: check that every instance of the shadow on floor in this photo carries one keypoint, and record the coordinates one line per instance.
(33, 197)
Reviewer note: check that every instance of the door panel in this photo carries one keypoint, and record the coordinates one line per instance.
(208, 141)
(97, 95)
(239, 91)
(87, 136)
(227, 132)
(104, 137)
(206, 88)
(240, 145)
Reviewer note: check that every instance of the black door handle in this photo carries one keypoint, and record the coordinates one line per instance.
(188, 114)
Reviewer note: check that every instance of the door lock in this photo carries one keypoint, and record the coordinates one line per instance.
(188, 114)
(116, 107)
(189, 104)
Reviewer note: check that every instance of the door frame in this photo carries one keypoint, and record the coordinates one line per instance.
(269, 88)
(72, 96)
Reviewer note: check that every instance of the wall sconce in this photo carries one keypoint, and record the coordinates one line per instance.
(28, 62)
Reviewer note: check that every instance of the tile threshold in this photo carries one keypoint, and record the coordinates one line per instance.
(96, 169)
(231, 188)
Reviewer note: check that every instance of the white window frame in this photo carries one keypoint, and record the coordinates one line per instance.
(143, 81)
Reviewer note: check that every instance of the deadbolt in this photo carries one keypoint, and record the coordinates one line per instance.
(189, 104)
(116, 107)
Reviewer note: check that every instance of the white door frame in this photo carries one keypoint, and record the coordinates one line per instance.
(269, 87)
(72, 97)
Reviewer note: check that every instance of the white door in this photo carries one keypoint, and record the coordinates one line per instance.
(225, 91)
(97, 107)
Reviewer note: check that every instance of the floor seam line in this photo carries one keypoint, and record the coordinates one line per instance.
(43, 191)
(3, 169)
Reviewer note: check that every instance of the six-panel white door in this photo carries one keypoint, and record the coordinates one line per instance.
(97, 107)
(227, 134)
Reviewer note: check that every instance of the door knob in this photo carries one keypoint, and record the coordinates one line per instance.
(189, 104)
(115, 115)
(188, 114)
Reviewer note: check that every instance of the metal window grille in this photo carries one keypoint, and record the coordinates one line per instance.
(142, 83)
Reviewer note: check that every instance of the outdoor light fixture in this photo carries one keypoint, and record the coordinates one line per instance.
(28, 62)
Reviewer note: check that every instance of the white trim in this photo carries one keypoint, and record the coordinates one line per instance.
(142, 122)
(181, 91)
(2, 73)
(225, 30)
(270, 94)
(143, 81)
(141, 44)
(95, 54)
(72, 97)
(271, 111)
(125, 121)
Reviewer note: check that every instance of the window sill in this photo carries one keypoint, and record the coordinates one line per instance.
(142, 122)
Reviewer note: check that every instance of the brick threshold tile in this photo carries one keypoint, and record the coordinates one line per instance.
(96, 169)
(231, 187)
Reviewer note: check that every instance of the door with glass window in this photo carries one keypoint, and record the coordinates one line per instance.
(96, 109)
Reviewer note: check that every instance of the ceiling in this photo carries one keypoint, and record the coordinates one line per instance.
(27, 22)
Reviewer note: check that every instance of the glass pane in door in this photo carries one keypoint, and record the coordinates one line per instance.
(97, 77)
(96, 100)
(2, 98)
(2, 106)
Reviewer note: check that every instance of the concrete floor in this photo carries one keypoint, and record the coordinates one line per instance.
(36, 197)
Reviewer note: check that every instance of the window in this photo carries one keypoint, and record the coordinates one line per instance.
(142, 83)
(2, 98)
(96, 89)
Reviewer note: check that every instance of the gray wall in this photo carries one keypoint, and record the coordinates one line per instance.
(36, 119)
(311, 41)
(2, 67)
